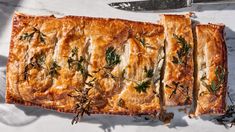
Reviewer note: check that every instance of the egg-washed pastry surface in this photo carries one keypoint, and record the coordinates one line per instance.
(73, 64)
(211, 80)
(178, 72)
(113, 66)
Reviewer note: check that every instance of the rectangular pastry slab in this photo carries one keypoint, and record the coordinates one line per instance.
(113, 65)
(211, 69)
(178, 74)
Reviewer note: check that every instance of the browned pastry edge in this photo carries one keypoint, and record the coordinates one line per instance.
(12, 100)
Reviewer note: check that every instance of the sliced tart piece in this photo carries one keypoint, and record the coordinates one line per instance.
(179, 66)
(211, 69)
(144, 54)
(126, 59)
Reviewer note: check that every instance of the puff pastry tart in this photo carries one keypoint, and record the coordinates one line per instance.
(179, 66)
(211, 79)
(86, 65)
(96, 65)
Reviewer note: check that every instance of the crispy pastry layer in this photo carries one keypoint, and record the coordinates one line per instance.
(179, 67)
(51, 57)
(211, 69)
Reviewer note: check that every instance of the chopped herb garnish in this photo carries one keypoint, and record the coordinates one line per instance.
(215, 84)
(28, 36)
(74, 52)
(37, 61)
(77, 64)
(149, 72)
(112, 58)
(183, 52)
(41, 59)
(142, 41)
(142, 87)
(53, 71)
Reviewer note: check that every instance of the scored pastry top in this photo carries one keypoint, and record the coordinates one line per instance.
(113, 64)
(212, 69)
(179, 67)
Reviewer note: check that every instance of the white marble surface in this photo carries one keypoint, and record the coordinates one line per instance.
(23, 119)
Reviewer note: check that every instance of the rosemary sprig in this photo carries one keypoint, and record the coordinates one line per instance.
(53, 71)
(176, 84)
(112, 58)
(142, 87)
(28, 36)
(214, 86)
(183, 52)
(83, 103)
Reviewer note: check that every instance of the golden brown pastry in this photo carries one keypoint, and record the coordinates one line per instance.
(179, 66)
(211, 69)
(82, 64)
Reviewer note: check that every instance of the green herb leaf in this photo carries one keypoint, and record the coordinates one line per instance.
(215, 84)
(77, 64)
(41, 59)
(142, 87)
(183, 52)
(175, 60)
(149, 72)
(112, 58)
(53, 71)
(28, 36)
(37, 61)
(74, 51)
(121, 102)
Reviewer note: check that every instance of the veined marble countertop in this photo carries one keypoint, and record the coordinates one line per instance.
(21, 119)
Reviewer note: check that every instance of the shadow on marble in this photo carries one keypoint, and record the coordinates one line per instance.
(108, 122)
(3, 61)
(7, 7)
